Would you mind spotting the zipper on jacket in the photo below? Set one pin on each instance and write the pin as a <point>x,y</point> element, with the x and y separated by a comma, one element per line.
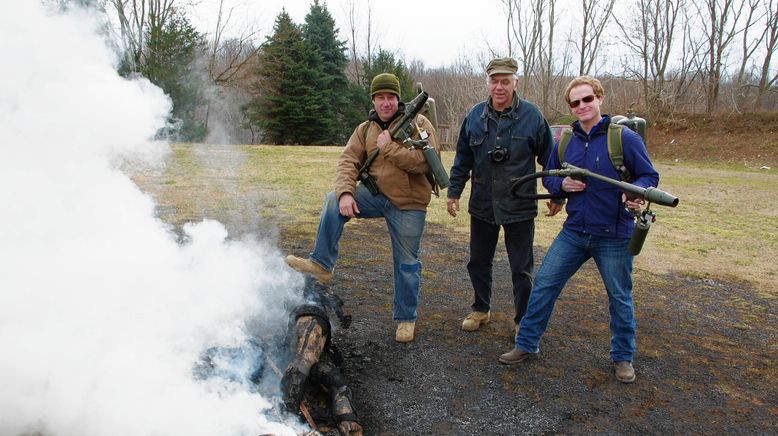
<point>586,198</point>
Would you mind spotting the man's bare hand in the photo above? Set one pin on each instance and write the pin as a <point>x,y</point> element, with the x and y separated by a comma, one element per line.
<point>553,208</point>
<point>384,138</point>
<point>570,184</point>
<point>348,206</point>
<point>452,204</point>
<point>634,204</point>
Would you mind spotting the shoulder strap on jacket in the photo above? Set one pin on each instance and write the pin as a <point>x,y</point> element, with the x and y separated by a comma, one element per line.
<point>616,151</point>
<point>364,132</point>
<point>567,134</point>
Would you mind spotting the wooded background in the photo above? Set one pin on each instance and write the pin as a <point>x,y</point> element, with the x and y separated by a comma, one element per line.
<point>308,83</point>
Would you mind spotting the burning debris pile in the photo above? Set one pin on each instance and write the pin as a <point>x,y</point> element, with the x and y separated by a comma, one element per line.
<point>312,385</point>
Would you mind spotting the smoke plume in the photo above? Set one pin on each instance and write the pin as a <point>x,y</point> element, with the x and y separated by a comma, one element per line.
<point>103,314</point>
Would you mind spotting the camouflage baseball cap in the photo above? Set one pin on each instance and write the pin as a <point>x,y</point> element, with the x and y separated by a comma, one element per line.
<point>502,66</point>
<point>385,82</point>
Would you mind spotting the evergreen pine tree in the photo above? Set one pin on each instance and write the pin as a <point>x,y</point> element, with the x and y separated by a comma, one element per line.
<point>329,65</point>
<point>170,63</point>
<point>357,106</point>
<point>284,106</point>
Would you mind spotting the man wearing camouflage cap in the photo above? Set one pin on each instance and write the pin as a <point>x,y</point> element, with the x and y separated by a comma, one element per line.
<point>400,174</point>
<point>497,143</point>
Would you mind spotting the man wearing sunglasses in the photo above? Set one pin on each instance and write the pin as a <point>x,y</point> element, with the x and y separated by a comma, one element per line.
<point>598,225</point>
<point>499,141</point>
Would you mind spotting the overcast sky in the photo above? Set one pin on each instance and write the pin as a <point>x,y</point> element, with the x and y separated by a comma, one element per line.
<point>435,31</point>
<point>438,32</point>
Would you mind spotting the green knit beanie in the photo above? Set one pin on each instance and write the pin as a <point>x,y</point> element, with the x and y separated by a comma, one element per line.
<point>385,82</point>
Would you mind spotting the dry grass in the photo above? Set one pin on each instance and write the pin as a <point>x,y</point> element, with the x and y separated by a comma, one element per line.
<point>723,229</point>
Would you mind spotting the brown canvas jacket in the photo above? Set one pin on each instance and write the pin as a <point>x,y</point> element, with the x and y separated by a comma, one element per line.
<point>399,172</point>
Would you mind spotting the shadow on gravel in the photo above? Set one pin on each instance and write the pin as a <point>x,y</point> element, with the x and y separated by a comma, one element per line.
<point>706,360</point>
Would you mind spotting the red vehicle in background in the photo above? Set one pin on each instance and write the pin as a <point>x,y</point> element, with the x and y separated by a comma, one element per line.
<point>556,131</point>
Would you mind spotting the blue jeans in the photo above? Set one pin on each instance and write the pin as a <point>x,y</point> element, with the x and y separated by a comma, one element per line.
<point>567,253</point>
<point>405,229</point>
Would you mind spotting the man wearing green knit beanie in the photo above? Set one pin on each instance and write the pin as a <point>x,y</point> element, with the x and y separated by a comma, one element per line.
<point>385,82</point>
<point>404,193</point>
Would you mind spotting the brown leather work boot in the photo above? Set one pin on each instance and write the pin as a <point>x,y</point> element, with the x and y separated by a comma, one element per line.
<point>405,332</point>
<point>625,373</point>
<point>307,266</point>
<point>475,320</point>
<point>517,355</point>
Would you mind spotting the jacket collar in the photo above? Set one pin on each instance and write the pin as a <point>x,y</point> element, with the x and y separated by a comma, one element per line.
<point>512,112</point>
<point>373,116</point>
<point>489,111</point>
<point>601,127</point>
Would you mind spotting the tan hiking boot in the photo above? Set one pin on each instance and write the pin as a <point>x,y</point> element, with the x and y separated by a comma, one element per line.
<point>625,373</point>
<point>475,320</point>
<point>307,266</point>
<point>515,356</point>
<point>405,331</point>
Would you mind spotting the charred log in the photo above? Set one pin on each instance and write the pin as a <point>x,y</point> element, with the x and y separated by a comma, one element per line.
<point>311,383</point>
<point>314,371</point>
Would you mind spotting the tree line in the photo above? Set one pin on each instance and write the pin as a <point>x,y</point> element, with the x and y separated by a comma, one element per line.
<point>307,84</point>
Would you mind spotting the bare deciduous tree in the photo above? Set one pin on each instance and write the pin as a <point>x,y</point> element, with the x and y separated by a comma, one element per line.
<point>741,86</point>
<point>722,27</point>
<point>766,81</point>
<point>509,26</point>
<point>547,19</point>
<point>649,34</point>
<point>455,89</point>
<point>137,19</point>
<point>749,46</point>
<point>228,59</point>
<point>596,14</point>
<point>356,59</point>
<point>525,28</point>
<point>351,22</point>
<point>690,72</point>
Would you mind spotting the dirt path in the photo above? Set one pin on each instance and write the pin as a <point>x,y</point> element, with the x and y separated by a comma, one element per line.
<point>701,368</point>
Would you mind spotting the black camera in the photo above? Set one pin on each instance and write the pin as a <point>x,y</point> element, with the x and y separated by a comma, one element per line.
<point>499,154</point>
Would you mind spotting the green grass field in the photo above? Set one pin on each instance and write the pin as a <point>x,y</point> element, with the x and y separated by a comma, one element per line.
<point>723,229</point>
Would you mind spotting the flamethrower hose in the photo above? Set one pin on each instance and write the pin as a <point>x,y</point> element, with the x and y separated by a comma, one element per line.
<point>524,179</point>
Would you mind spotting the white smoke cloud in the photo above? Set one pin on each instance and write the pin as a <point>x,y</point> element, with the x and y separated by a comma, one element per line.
<point>102,313</point>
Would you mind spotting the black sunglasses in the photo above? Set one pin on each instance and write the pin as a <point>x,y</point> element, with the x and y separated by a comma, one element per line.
<point>575,103</point>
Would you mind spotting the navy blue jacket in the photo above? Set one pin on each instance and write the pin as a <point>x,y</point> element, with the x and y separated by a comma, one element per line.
<point>598,209</point>
<point>523,133</point>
